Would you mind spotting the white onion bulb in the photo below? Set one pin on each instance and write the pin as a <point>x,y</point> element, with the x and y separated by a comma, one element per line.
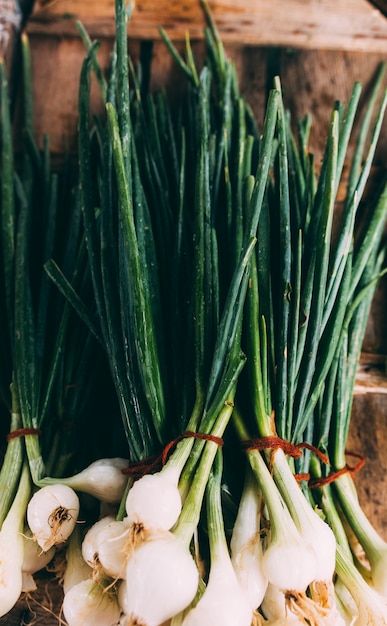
<point>273,604</point>
<point>223,601</point>
<point>312,528</point>
<point>90,540</point>
<point>52,514</point>
<point>278,610</point>
<point>12,545</point>
<point>246,548</point>
<point>34,558</point>
<point>88,604</point>
<point>113,549</point>
<point>154,501</point>
<point>11,560</point>
<point>103,479</point>
<point>161,581</point>
<point>290,564</point>
<point>28,583</point>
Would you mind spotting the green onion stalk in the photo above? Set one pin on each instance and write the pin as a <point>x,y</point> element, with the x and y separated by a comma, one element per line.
<point>355,532</point>
<point>50,362</point>
<point>311,286</point>
<point>212,289</point>
<point>155,310</point>
<point>203,321</point>
<point>150,305</point>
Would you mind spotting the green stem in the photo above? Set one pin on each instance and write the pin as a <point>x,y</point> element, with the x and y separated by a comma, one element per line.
<point>280,518</point>
<point>190,514</point>
<point>215,522</point>
<point>144,327</point>
<point>372,543</point>
<point>12,462</point>
<point>16,514</point>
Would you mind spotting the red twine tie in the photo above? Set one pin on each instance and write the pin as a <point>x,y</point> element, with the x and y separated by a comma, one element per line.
<point>22,432</point>
<point>137,469</point>
<point>326,480</point>
<point>277,443</point>
<point>294,450</point>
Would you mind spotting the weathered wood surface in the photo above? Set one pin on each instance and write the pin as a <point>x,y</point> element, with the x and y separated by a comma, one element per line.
<point>314,69</point>
<point>335,24</point>
<point>311,81</point>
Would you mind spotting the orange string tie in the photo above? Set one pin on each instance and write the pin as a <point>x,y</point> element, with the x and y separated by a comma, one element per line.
<point>290,449</point>
<point>22,432</point>
<point>326,480</point>
<point>300,477</point>
<point>271,443</point>
<point>137,469</point>
<point>275,443</point>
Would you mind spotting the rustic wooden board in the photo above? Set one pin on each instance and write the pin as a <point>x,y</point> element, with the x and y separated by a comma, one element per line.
<point>56,65</point>
<point>311,81</point>
<point>369,438</point>
<point>335,24</point>
<point>313,74</point>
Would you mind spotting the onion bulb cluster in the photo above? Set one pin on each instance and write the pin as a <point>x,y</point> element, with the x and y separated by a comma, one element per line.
<point>137,567</point>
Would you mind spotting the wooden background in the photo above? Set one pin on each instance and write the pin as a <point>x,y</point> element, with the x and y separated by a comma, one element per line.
<point>318,48</point>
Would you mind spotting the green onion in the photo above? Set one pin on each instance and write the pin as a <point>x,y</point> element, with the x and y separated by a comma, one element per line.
<point>181,363</point>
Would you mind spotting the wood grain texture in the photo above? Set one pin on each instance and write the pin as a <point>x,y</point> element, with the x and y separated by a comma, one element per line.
<point>333,24</point>
<point>368,437</point>
<point>311,80</point>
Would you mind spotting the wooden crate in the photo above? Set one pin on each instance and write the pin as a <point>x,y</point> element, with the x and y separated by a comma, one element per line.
<point>317,47</point>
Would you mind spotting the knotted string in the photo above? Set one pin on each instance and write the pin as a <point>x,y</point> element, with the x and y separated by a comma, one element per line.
<point>22,432</point>
<point>277,443</point>
<point>295,451</point>
<point>154,463</point>
<point>326,480</point>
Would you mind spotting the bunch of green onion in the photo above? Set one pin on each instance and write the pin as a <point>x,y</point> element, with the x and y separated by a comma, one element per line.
<point>208,281</point>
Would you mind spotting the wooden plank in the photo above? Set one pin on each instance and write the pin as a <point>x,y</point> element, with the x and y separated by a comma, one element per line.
<point>332,24</point>
<point>56,66</point>
<point>371,376</point>
<point>368,437</point>
<point>311,81</point>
